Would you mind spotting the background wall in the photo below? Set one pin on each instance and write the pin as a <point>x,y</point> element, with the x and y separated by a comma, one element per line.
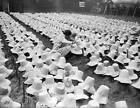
<point>91,6</point>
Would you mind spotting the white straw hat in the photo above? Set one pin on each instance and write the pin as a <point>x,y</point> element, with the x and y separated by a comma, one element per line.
<point>58,91</point>
<point>36,87</point>
<point>53,68</point>
<point>110,71</point>
<point>89,85</point>
<point>61,62</point>
<point>68,67</point>
<point>7,102</point>
<point>106,63</point>
<point>4,82</point>
<point>91,104</point>
<point>101,95</point>
<point>69,87</point>
<point>100,69</point>
<point>60,74</point>
<point>77,76</point>
<point>49,82</point>
<point>23,65</point>
<point>133,65</point>
<point>93,61</point>
<point>111,54</point>
<point>68,101</point>
<point>76,50</point>
<point>79,92</point>
<point>4,71</point>
<point>121,58</point>
<point>2,60</point>
<point>121,104</point>
<point>124,77</point>
<point>44,70</point>
<point>45,100</point>
<point>132,75</point>
<point>116,68</point>
<point>21,58</point>
<point>136,84</point>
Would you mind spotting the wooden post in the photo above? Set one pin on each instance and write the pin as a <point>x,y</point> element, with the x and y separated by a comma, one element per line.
<point>135,10</point>
<point>105,9</point>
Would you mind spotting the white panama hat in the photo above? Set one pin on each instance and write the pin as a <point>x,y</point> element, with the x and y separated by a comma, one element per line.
<point>61,62</point>
<point>88,85</point>
<point>7,102</point>
<point>91,104</point>
<point>121,104</point>
<point>111,54</point>
<point>133,64</point>
<point>68,101</point>
<point>69,87</point>
<point>36,87</point>
<point>101,95</point>
<point>21,58</point>
<point>106,63</point>
<point>4,82</point>
<point>23,65</point>
<point>46,101</point>
<point>79,92</point>
<point>4,71</point>
<point>49,81</point>
<point>76,50</point>
<point>44,70</point>
<point>60,74</point>
<point>58,91</point>
<point>100,69</point>
<point>132,75</point>
<point>110,71</point>
<point>124,77</point>
<point>77,76</point>
<point>53,68</point>
<point>93,61</point>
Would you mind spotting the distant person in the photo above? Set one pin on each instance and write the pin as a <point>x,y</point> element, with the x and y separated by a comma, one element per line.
<point>65,46</point>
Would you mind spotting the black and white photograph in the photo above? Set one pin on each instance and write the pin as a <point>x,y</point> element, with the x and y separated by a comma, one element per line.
<point>69,53</point>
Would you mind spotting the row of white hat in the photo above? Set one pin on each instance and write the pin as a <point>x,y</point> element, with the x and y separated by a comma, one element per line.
<point>88,21</point>
<point>132,63</point>
<point>32,88</point>
<point>99,39</point>
<point>5,100</point>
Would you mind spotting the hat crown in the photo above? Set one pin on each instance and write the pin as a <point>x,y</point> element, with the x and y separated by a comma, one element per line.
<point>124,74</point>
<point>106,63</point>
<point>116,67</point>
<point>67,82</point>
<point>62,60</point>
<point>79,74</point>
<point>89,81</point>
<point>100,67</point>
<point>49,79</point>
<point>37,84</point>
<point>68,67</point>
<point>60,88</point>
<point>103,91</point>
